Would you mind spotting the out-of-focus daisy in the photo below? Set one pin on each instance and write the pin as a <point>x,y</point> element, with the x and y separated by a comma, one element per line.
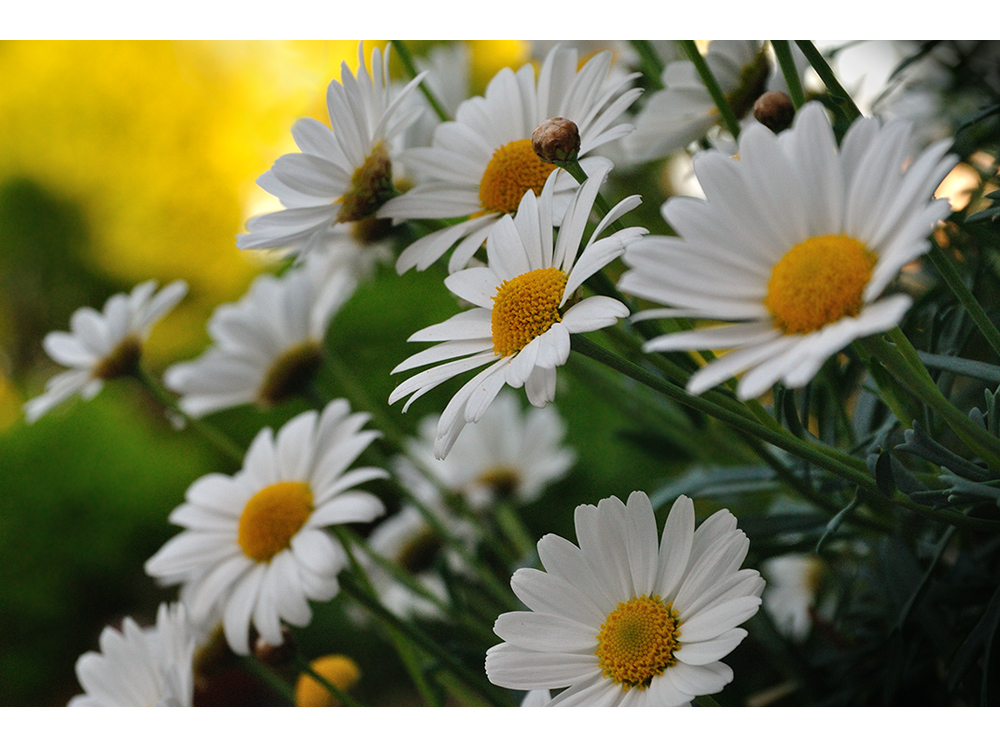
<point>794,245</point>
<point>103,344</point>
<point>141,666</point>
<point>623,619</point>
<point>523,316</point>
<point>337,669</point>
<point>341,175</point>
<point>507,455</point>
<point>254,545</point>
<point>482,164</point>
<point>266,346</point>
<point>683,110</point>
<point>793,581</point>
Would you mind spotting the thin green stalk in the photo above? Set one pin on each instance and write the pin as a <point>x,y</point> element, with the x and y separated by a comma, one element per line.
<point>919,382</point>
<point>728,412</point>
<point>213,435</point>
<point>443,657</point>
<point>721,102</point>
<point>411,69</point>
<point>409,657</point>
<point>650,62</point>
<point>951,276</point>
<point>270,678</point>
<point>783,51</point>
<point>341,695</point>
<point>826,74</point>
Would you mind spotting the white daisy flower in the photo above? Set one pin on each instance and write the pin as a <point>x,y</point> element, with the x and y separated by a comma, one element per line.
<point>254,545</point>
<point>626,620</point>
<point>102,344</point>
<point>683,110</point>
<point>793,581</point>
<point>506,455</point>
<point>266,346</point>
<point>794,246</point>
<point>525,308</point>
<point>482,164</point>
<point>141,666</point>
<point>341,175</point>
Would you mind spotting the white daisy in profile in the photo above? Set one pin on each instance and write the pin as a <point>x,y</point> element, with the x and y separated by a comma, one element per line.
<point>624,619</point>
<point>507,455</point>
<point>141,666</point>
<point>793,247</point>
<point>254,546</point>
<point>267,346</point>
<point>683,110</point>
<point>103,345</point>
<point>482,164</point>
<point>525,308</point>
<point>341,175</point>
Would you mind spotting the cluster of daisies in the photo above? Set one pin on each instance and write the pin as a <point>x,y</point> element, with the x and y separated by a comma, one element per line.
<point>788,257</point>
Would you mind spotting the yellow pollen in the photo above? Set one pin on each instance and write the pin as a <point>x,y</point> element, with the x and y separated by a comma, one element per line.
<point>272,517</point>
<point>818,282</point>
<point>371,186</point>
<point>513,170</point>
<point>524,307</point>
<point>637,641</point>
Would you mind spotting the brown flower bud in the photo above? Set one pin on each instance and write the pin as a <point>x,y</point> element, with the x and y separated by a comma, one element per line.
<point>556,139</point>
<point>774,110</point>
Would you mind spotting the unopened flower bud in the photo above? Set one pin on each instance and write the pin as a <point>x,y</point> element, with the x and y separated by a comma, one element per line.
<point>774,110</point>
<point>556,139</point>
<point>337,669</point>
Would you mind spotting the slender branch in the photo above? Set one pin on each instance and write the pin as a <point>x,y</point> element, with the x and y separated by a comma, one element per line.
<point>411,69</point>
<point>826,74</point>
<point>954,280</point>
<point>783,51</point>
<point>712,85</point>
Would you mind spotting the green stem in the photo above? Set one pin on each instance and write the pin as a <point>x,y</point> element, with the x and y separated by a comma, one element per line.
<point>650,62</point>
<point>951,276</point>
<point>444,657</point>
<point>826,74</point>
<point>217,438</point>
<point>724,409</point>
<point>783,51</point>
<point>270,678</point>
<point>897,360</point>
<point>409,657</point>
<point>411,69</point>
<point>712,85</point>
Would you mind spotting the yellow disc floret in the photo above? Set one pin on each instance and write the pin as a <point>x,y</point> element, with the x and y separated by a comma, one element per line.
<point>637,641</point>
<point>524,307</point>
<point>513,170</point>
<point>272,517</point>
<point>290,373</point>
<point>818,282</point>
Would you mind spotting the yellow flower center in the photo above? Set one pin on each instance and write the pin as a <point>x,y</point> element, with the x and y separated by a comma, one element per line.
<point>122,361</point>
<point>637,641</point>
<point>503,480</point>
<point>513,170</point>
<point>525,307</point>
<point>290,373</point>
<point>272,517</point>
<point>419,553</point>
<point>818,282</point>
<point>371,186</point>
